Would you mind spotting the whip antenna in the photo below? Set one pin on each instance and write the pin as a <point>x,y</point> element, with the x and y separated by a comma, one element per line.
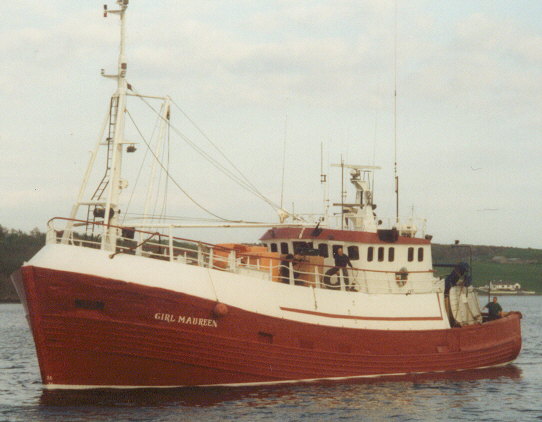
<point>396,176</point>
<point>283,159</point>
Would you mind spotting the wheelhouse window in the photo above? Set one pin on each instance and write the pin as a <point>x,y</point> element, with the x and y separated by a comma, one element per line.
<point>353,253</point>
<point>420,254</point>
<point>410,254</point>
<point>284,248</point>
<point>391,254</point>
<point>299,247</point>
<point>274,247</point>
<point>380,253</point>
<point>370,253</point>
<point>323,250</point>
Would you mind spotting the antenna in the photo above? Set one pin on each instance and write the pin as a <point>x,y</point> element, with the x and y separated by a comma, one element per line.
<point>372,176</point>
<point>283,158</point>
<point>342,193</point>
<point>396,176</point>
<point>323,176</point>
<point>323,181</point>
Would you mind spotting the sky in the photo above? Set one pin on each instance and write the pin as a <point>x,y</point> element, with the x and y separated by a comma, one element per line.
<point>258,75</point>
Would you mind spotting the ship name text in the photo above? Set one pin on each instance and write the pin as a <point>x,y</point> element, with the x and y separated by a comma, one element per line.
<point>183,319</point>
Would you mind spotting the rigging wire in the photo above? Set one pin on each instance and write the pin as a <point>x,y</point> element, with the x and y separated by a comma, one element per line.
<point>172,218</point>
<point>165,154</point>
<point>240,180</point>
<point>171,177</point>
<point>247,180</point>
<point>159,184</point>
<point>140,171</point>
<point>137,216</point>
<point>283,160</point>
<point>166,187</point>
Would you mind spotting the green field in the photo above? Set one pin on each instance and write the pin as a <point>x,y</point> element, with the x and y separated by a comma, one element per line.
<point>528,275</point>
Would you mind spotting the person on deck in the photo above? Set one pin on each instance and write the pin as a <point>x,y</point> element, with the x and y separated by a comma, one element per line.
<point>341,261</point>
<point>284,273</point>
<point>285,269</point>
<point>297,263</point>
<point>494,310</point>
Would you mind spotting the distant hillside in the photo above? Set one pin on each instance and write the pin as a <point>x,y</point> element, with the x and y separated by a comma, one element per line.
<point>442,253</point>
<point>495,263</point>
<point>489,262</point>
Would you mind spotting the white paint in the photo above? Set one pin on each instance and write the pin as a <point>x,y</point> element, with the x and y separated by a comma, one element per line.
<point>250,293</point>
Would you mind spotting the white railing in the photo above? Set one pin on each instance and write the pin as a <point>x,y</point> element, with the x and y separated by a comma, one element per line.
<point>244,261</point>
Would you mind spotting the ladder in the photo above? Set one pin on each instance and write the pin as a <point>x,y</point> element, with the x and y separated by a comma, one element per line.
<point>98,193</point>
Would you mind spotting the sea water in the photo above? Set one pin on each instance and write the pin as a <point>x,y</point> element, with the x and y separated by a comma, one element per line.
<point>510,393</point>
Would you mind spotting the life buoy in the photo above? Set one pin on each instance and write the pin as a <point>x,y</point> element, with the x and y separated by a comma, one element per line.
<point>401,277</point>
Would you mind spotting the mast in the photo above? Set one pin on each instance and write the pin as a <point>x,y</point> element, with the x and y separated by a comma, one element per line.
<point>116,184</point>
<point>113,125</point>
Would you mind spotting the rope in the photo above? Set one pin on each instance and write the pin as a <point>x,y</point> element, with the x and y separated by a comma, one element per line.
<point>249,183</point>
<point>139,172</point>
<point>171,177</point>
<point>241,180</point>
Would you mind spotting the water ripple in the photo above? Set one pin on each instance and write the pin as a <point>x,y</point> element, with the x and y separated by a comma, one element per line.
<point>511,393</point>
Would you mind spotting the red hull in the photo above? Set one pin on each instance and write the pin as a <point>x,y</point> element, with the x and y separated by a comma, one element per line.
<point>91,331</point>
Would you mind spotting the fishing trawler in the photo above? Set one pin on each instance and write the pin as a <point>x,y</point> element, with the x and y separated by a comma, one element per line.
<point>117,305</point>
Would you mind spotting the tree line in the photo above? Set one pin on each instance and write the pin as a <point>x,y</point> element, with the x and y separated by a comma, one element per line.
<point>16,247</point>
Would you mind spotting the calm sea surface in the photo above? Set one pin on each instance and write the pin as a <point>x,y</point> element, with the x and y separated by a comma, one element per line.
<point>512,393</point>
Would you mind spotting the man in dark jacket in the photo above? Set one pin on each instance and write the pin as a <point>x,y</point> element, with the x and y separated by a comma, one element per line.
<point>494,310</point>
<point>341,261</point>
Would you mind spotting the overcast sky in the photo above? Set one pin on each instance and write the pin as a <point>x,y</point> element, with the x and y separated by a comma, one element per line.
<point>250,73</point>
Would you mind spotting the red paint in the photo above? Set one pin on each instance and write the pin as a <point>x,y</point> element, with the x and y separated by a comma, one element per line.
<point>366,318</point>
<point>326,235</point>
<point>122,343</point>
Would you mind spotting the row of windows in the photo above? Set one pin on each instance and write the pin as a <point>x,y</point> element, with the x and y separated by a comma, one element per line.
<point>411,254</point>
<point>352,251</point>
<point>391,254</point>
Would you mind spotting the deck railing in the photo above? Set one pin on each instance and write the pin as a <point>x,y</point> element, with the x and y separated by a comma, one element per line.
<point>262,264</point>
